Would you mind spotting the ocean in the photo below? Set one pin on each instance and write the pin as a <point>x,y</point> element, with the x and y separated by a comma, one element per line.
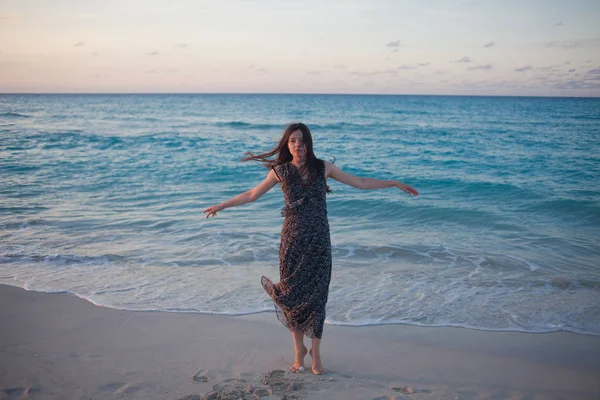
<point>102,196</point>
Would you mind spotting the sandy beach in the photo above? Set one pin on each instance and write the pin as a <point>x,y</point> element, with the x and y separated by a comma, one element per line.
<point>57,346</point>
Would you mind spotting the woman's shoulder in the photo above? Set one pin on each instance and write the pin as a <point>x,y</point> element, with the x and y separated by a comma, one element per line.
<point>328,167</point>
<point>327,164</point>
<point>280,168</point>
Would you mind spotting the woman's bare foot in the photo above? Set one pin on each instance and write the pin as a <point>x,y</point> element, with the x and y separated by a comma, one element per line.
<point>317,367</point>
<point>299,362</point>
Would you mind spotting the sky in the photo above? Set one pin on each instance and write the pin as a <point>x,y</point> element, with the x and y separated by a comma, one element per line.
<point>446,47</point>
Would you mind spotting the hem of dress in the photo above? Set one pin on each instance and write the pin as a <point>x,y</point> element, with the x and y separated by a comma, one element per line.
<point>278,311</point>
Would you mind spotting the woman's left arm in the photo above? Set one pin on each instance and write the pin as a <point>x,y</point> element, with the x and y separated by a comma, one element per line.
<point>332,171</point>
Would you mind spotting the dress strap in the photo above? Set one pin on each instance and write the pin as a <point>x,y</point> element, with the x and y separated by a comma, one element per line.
<point>275,170</point>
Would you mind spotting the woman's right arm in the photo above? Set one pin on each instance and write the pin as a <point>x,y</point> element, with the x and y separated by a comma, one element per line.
<point>246,197</point>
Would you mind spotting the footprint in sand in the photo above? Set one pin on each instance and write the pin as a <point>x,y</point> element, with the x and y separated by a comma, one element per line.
<point>15,392</point>
<point>345,376</point>
<point>113,386</point>
<point>232,388</point>
<point>119,388</point>
<point>281,384</point>
<point>200,376</point>
<point>403,390</point>
<point>127,389</point>
<point>276,382</point>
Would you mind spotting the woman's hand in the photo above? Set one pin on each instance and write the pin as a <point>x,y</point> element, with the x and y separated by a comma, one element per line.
<point>408,189</point>
<point>213,210</point>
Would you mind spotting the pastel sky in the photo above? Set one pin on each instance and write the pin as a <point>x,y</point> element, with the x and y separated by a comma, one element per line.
<point>485,47</point>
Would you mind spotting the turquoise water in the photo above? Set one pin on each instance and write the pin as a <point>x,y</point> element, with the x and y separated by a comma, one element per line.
<point>102,196</point>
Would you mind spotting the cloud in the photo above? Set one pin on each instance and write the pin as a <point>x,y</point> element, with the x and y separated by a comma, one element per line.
<point>484,66</point>
<point>523,69</point>
<point>181,45</point>
<point>340,66</point>
<point>485,84</point>
<point>559,24</point>
<point>339,82</point>
<point>548,68</point>
<point>79,44</point>
<point>391,72</point>
<point>313,73</point>
<point>489,44</point>
<point>6,17</point>
<point>153,53</point>
<point>150,71</point>
<point>394,51</point>
<point>440,72</point>
<point>424,64</point>
<point>256,69</point>
<point>465,59</point>
<point>95,53</point>
<point>9,17</point>
<point>577,84</point>
<point>393,44</point>
<point>359,73</point>
<point>572,70</point>
<point>406,66</point>
<point>575,44</point>
<point>593,74</point>
<point>567,63</point>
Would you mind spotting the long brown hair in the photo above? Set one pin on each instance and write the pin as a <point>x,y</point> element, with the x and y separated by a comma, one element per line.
<point>282,154</point>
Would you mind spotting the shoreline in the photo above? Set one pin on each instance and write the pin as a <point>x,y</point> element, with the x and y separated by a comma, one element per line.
<point>327,323</point>
<point>60,346</point>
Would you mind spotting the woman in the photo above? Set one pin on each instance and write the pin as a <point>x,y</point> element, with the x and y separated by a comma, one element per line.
<point>300,296</point>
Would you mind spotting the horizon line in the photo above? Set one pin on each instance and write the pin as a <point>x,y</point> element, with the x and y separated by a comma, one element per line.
<point>298,94</point>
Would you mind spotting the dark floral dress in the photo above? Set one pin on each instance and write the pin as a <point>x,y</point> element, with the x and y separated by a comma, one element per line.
<point>300,296</point>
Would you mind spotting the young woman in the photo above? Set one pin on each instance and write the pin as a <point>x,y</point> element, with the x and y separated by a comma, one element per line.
<point>300,296</point>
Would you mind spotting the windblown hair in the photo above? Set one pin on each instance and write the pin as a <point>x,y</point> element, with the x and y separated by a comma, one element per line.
<point>280,154</point>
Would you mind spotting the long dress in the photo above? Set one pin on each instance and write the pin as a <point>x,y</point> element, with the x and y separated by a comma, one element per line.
<point>300,296</point>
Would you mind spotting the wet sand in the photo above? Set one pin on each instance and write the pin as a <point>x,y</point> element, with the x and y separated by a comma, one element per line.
<point>57,346</point>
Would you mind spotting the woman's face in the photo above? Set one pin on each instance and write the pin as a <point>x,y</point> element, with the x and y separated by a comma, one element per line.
<point>296,146</point>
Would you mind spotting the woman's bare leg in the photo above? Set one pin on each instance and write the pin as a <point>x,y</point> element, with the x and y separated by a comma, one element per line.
<point>300,349</point>
<point>315,353</point>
